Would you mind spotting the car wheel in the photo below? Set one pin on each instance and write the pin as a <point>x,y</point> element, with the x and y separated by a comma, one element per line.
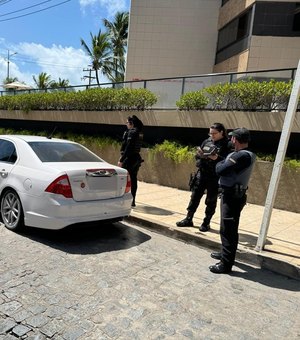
<point>12,211</point>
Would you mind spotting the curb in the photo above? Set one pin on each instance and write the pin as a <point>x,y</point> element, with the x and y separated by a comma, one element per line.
<point>262,260</point>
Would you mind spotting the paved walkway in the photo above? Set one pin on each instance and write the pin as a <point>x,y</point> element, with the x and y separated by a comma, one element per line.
<point>159,207</point>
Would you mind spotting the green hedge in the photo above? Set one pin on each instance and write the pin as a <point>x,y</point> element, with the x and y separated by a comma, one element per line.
<point>246,95</point>
<point>104,99</point>
<point>170,149</point>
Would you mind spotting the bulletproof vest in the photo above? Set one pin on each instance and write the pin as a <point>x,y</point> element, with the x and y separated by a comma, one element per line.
<point>137,138</point>
<point>241,178</point>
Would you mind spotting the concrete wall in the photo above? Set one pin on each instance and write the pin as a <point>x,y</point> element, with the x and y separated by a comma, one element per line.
<point>163,171</point>
<point>171,38</point>
<point>257,121</point>
<point>273,52</point>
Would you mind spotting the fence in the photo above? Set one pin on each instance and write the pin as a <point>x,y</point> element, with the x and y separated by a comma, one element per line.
<point>169,90</point>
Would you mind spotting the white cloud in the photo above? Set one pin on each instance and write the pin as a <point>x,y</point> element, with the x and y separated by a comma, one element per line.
<point>111,6</point>
<point>57,61</point>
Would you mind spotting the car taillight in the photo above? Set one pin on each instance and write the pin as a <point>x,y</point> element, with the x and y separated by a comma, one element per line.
<point>61,186</point>
<point>128,184</point>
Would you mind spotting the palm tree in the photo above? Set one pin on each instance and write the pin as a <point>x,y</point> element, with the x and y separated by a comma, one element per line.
<point>60,83</point>
<point>43,81</point>
<point>100,53</point>
<point>10,80</point>
<point>118,34</point>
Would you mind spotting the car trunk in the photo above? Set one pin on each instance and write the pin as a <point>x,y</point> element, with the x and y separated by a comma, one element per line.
<point>89,181</point>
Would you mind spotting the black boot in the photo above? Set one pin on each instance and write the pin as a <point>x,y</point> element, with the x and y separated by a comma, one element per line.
<point>186,222</point>
<point>205,225</point>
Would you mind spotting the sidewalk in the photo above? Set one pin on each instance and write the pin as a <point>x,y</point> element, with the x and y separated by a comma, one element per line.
<point>159,208</point>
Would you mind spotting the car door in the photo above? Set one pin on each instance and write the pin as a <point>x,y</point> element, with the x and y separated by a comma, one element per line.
<point>8,157</point>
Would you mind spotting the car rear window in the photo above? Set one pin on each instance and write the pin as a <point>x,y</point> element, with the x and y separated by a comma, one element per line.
<point>62,152</point>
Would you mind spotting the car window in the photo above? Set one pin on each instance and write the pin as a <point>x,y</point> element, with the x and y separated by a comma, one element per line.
<point>7,151</point>
<point>62,152</point>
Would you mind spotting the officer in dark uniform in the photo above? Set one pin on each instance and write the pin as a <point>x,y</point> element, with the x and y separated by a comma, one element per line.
<point>211,151</point>
<point>130,151</point>
<point>234,174</point>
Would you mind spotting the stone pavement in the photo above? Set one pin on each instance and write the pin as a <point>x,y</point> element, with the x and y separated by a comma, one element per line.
<point>159,207</point>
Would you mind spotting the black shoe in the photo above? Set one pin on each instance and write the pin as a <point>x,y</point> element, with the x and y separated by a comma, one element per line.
<point>216,255</point>
<point>185,223</point>
<point>204,227</point>
<point>133,203</point>
<point>220,268</point>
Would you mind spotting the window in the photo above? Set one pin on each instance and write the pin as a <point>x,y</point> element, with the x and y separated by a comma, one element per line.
<point>234,31</point>
<point>277,19</point>
<point>296,20</point>
<point>62,152</point>
<point>7,151</point>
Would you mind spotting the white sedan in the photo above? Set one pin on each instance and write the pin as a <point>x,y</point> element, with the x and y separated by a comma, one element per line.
<point>52,183</point>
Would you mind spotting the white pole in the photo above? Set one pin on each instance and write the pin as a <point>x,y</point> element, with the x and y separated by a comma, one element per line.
<point>281,151</point>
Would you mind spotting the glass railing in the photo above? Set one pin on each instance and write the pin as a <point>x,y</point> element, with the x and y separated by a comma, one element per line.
<point>169,90</point>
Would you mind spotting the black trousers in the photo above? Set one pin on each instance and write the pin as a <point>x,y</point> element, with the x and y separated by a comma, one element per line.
<point>132,165</point>
<point>231,208</point>
<point>212,188</point>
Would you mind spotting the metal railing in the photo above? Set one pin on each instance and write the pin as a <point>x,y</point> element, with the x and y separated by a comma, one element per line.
<point>169,90</point>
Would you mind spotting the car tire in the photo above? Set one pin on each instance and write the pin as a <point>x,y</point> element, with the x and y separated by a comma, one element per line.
<point>11,211</point>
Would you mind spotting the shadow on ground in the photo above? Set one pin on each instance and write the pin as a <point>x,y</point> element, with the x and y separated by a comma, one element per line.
<point>89,238</point>
<point>148,209</point>
<point>262,276</point>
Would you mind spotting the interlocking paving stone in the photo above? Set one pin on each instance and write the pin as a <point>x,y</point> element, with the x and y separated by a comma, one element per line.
<point>20,330</point>
<point>6,325</point>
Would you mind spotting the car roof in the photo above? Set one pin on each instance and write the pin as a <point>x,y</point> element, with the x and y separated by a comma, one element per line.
<point>28,138</point>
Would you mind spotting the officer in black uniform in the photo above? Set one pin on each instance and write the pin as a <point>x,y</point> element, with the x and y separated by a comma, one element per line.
<point>130,151</point>
<point>211,151</point>
<point>234,174</point>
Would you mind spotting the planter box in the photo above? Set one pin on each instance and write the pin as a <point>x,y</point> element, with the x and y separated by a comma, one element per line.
<point>163,171</point>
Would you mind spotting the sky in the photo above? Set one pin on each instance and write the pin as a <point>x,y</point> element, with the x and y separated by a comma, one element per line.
<point>44,36</point>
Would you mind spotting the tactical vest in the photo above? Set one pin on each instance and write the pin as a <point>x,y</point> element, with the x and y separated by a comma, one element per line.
<point>241,178</point>
<point>137,139</point>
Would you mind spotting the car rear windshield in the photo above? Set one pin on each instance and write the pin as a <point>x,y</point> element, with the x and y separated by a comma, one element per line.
<point>62,152</point>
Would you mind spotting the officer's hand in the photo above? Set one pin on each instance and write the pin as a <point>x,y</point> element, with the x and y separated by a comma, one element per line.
<point>213,157</point>
<point>199,151</point>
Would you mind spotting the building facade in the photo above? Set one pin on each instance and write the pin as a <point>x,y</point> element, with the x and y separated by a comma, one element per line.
<point>169,38</point>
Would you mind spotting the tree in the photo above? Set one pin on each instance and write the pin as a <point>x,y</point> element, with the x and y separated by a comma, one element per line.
<point>10,80</point>
<point>118,34</point>
<point>43,81</point>
<point>100,53</point>
<point>60,83</point>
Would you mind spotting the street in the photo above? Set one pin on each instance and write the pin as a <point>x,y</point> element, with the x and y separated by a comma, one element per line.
<point>120,281</point>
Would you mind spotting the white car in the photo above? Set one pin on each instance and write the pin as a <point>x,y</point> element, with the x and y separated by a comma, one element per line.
<point>52,183</point>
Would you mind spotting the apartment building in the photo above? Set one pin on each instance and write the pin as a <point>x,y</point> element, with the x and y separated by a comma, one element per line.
<point>169,38</point>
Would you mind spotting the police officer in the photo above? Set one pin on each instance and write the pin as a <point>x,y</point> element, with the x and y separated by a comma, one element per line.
<point>211,151</point>
<point>130,151</point>
<point>234,174</point>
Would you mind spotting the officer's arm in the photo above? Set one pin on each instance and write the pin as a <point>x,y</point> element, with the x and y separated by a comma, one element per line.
<point>235,162</point>
<point>226,166</point>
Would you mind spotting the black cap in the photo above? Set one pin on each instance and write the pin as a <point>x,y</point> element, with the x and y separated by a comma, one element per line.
<point>241,134</point>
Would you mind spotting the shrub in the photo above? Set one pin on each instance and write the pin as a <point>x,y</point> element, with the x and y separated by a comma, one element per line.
<point>247,95</point>
<point>101,99</point>
<point>221,96</point>
<point>137,99</point>
<point>170,149</point>
<point>174,151</point>
<point>192,101</point>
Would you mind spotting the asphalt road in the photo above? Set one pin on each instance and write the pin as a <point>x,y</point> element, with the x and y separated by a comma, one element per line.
<point>124,282</point>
